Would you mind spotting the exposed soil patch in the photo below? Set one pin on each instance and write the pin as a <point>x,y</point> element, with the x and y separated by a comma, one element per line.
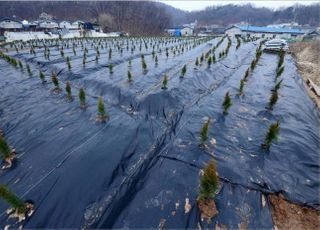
<point>308,59</point>
<point>208,209</point>
<point>291,216</point>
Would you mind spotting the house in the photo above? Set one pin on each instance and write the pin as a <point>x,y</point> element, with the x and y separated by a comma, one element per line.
<point>76,25</point>
<point>313,35</point>
<point>186,31</point>
<point>264,32</point>
<point>45,16</point>
<point>9,24</point>
<point>48,24</point>
<point>65,25</point>
<point>180,31</point>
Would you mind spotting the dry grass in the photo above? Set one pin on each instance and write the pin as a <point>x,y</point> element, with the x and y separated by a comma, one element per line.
<point>307,55</point>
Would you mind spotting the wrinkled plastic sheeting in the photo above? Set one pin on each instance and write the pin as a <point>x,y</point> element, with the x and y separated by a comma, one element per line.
<point>134,169</point>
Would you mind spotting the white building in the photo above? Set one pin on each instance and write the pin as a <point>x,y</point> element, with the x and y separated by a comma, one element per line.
<point>10,24</point>
<point>77,25</point>
<point>186,31</point>
<point>48,24</point>
<point>264,32</point>
<point>65,25</point>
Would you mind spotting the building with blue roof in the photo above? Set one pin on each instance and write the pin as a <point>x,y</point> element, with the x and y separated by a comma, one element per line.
<point>264,32</point>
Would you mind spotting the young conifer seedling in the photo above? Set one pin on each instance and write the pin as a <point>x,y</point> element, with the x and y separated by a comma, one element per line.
<point>6,154</point>
<point>209,183</point>
<point>68,63</point>
<point>227,103</point>
<point>277,86</point>
<point>129,76</point>
<point>209,61</point>
<point>82,98</point>
<point>110,68</point>
<point>280,71</point>
<point>19,208</point>
<point>68,90</point>
<point>204,133</point>
<point>102,116</point>
<point>273,99</point>
<point>29,70</point>
<point>183,71</point>
<point>144,65</point>
<point>42,77</point>
<point>272,135</point>
<point>241,87</point>
<point>55,81</point>
<point>165,82</point>
<point>197,62</point>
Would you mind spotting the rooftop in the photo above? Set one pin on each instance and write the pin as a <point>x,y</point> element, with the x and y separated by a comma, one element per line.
<point>264,29</point>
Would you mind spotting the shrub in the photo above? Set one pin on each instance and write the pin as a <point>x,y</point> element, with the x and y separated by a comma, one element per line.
<point>165,82</point>
<point>209,182</point>
<point>42,76</point>
<point>227,103</point>
<point>68,90</point>
<point>82,98</point>
<point>183,70</point>
<point>273,99</point>
<point>55,80</point>
<point>271,135</point>
<point>204,133</point>
<point>102,116</point>
<point>129,76</point>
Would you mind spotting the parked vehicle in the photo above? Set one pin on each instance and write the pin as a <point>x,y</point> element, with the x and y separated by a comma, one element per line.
<point>275,45</point>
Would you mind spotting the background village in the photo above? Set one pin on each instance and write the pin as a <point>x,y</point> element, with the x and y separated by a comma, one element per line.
<point>46,27</point>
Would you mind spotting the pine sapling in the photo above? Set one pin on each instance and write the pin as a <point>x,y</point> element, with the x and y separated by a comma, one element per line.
<point>6,154</point>
<point>19,208</point>
<point>129,76</point>
<point>273,99</point>
<point>82,98</point>
<point>42,77</point>
<point>209,182</point>
<point>29,70</point>
<point>102,116</point>
<point>280,71</point>
<point>183,70</point>
<point>110,68</point>
<point>204,133</point>
<point>68,90</point>
<point>227,103</point>
<point>165,82</point>
<point>278,85</point>
<point>55,81</point>
<point>209,61</point>
<point>68,63</point>
<point>272,135</point>
<point>197,62</point>
<point>241,87</point>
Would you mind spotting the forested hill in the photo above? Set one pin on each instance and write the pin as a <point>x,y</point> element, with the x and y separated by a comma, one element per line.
<point>149,18</point>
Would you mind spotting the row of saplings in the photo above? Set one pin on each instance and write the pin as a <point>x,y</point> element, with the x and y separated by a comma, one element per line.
<point>209,181</point>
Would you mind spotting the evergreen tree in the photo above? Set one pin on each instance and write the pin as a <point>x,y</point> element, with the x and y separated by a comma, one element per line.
<point>227,103</point>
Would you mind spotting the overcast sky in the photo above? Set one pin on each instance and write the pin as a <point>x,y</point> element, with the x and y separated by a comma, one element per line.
<point>199,5</point>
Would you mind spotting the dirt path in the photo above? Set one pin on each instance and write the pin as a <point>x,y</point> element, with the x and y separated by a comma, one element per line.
<point>308,60</point>
<point>291,216</point>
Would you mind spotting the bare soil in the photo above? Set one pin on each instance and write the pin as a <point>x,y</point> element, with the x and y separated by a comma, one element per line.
<point>307,55</point>
<point>287,216</point>
<point>208,209</point>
